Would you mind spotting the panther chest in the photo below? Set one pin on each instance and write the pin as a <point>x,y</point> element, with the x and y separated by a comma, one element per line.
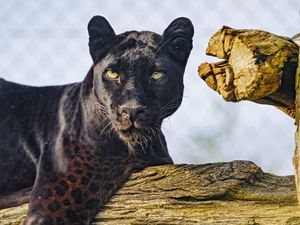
<point>87,183</point>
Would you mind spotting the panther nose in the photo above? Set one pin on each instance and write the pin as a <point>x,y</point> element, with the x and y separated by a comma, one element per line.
<point>132,113</point>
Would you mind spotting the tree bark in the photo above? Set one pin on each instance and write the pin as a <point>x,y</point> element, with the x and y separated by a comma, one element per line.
<point>296,157</point>
<point>258,66</point>
<point>230,193</point>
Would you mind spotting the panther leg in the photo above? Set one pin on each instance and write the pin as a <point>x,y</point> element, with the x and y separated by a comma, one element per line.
<point>76,195</point>
<point>15,198</point>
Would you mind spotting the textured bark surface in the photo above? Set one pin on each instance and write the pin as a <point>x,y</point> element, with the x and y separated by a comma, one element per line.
<point>231,193</point>
<point>296,158</point>
<point>258,66</point>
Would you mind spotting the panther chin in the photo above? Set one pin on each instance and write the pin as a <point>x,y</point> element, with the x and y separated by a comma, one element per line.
<point>135,136</point>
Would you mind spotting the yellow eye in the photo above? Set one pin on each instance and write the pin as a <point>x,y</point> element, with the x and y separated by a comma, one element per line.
<point>157,75</point>
<point>112,75</point>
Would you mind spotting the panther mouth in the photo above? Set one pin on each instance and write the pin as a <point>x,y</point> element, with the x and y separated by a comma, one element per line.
<point>130,134</point>
<point>134,135</point>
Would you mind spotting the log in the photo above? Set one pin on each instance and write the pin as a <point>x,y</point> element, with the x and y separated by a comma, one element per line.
<point>231,193</point>
<point>258,66</point>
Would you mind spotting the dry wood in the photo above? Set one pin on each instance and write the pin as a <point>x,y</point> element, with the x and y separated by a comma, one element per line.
<point>258,66</point>
<point>231,193</point>
<point>296,158</point>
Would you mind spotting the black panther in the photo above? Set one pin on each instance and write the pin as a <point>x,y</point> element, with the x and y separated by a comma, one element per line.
<point>76,144</point>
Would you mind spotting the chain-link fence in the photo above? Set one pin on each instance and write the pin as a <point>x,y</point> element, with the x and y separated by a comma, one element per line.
<point>45,42</point>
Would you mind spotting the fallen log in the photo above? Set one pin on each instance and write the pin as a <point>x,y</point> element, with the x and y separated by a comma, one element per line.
<point>230,193</point>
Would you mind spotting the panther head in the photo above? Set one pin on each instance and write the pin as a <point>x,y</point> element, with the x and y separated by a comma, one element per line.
<point>138,76</point>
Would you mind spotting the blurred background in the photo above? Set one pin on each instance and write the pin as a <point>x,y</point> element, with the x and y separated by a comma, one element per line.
<point>46,43</point>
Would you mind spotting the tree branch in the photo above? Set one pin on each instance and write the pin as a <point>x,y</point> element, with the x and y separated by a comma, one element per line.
<point>258,66</point>
<point>232,193</point>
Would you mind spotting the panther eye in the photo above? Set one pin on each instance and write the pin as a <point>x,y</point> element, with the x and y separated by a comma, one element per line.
<point>112,74</point>
<point>157,75</point>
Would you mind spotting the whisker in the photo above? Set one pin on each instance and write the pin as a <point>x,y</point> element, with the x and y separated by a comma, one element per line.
<point>111,131</point>
<point>170,107</point>
<point>168,111</point>
<point>102,122</point>
<point>172,100</point>
<point>145,141</point>
<point>107,125</point>
<point>153,131</point>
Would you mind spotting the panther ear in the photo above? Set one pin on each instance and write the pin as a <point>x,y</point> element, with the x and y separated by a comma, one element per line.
<point>178,37</point>
<point>101,36</point>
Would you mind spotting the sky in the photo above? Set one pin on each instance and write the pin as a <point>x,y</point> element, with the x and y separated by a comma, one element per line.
<point>46,43</point>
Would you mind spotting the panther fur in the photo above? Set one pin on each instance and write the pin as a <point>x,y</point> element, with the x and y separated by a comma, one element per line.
<point>78,143</point>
